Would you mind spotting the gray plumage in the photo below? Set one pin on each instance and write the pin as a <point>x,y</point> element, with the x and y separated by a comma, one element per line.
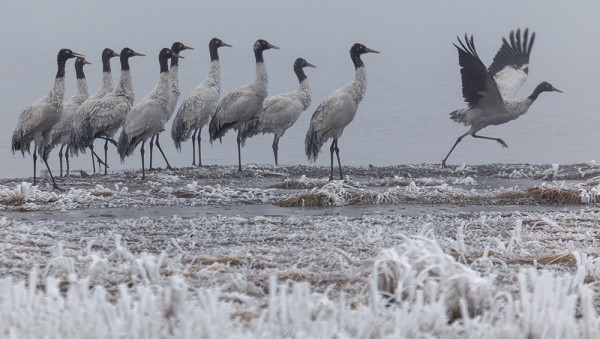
<point>337,111</point>
<point>244,103</point>
<point>37,120</point>
<point>146,117</point>
<point>196,110</point>
<point>107,114</point>
<point>61,132</point>
<point>281,111</point>
<point>490,93</point>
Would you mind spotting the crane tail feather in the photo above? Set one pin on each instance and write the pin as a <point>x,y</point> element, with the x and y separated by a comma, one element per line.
<point>313,143</point>
<point>460,116</point>
<point>179,132</point>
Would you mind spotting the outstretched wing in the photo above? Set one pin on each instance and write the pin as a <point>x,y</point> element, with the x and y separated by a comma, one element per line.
<point>478,86</point>
<point>511,64</point>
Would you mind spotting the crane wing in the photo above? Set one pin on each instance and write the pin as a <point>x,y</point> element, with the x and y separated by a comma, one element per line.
<point>511,64</point>
<point>478,86</point>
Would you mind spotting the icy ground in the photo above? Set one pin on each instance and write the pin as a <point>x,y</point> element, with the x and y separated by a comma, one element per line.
<point>498,251</point>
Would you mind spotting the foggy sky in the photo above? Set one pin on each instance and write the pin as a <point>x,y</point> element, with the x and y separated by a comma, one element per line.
<point>416,74</point>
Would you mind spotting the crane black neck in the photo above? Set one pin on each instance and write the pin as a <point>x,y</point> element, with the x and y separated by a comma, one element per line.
<point>164,63</point>
<point>300,73</point>
<point>258,54</point>
<point>106,65</point>
<point>175,61</point>
<point>124,62</point>
<point>79,70</point>
<point>535,93</point>
<point>356,60</point>
<point>61,67</point>
<point>214,54</point>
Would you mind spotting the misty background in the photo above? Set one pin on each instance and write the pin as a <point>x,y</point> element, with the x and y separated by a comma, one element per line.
<point>412,85</point>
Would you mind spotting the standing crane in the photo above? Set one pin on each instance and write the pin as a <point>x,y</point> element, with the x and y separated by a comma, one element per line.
<point>244,103</point>
<point>107,114</point>
<point>146,117</point>
<point>37,120</point>
<point>337,111</point>
<point>61,132</point>
<point>281,111</point>
<point>174,92</point>
<point>81,111</point>
<point>490,93</point>
<point>195,111</point>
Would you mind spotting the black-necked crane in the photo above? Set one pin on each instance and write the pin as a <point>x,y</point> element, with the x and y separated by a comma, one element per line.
<point>146,117</point>
<point>86,106</point>
<point>281,111</point>
<point>61,132</point>
<point>107,114</point>
<point>244,103</point>
<point>174,92</point>
<point>37,120</point>
<point>337,111</point>
<point>195,111</point>
<point>490,93</point>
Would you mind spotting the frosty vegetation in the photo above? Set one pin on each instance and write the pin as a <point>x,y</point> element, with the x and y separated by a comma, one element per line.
<point>515,273</point>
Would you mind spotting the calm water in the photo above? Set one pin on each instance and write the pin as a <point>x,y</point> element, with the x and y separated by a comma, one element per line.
<point>413,84</point>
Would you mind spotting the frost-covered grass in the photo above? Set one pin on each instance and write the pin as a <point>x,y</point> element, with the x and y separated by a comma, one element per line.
<point>342,272</point>
<point>450,276</point>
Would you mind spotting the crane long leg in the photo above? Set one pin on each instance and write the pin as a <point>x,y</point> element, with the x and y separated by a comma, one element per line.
<point>331,148</point>
<point>337,153</point>
<point>34,161</point>
<point>163,153</point>
<point>275,148</point>
<point>143,165</point>
<point>239,141</point>
<point>199,149</point>
<point>194,148</point>
<point>452,149</point>
<point>60,156</point>
<point>67,159</point>
<point>151,148</point>
<point>54,185</point>
<point>105,157</point>
<point>93,159</point>
<point>495,139</point>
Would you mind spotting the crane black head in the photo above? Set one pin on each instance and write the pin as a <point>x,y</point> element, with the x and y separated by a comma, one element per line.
<point>543,87</point>
<point>66,54</point>
<point>107,54</point>
<point>125,54</point>
<point>356,51</point>
<point>178,47</point>
<point>79,63</point>
<point>164,56</point>
<point>61,59</point>
<point>299,64</point>
<point>262,45</point>
<point>213,45</point>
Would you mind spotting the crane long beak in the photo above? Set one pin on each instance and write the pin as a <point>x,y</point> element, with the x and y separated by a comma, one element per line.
<point>138,54</point>
<point>85,62</point>
<point>273,46</point>
<point>371,50</point>
<point>310,65</point>
<point>556,90</point>
<point>225,44</point>
<point>187,47</point>
<point>78,55</point>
